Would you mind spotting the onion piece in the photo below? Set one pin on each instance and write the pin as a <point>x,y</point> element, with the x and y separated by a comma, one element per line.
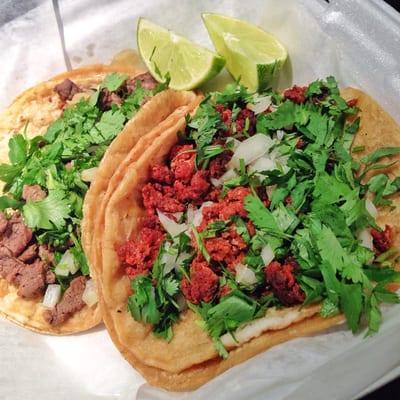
<point>280,133</point>
<point>172,227</point>
<point>228,175</point>
<point>365,238</point>
<point>370,207</point>
<point>52,296</point>
<point>89,295</point>
<point>245,275</point>
<point>261,104</point>
<point>88,175</point>
<point>169,261</point>
<point>234,141</point>
<point>262,164</point>
<point>250,149</point>
<point>67,265</point>
<point>267,254</point>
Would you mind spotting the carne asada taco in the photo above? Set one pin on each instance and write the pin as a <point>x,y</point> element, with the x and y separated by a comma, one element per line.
<point>261,218</point>
<point>53,138</point>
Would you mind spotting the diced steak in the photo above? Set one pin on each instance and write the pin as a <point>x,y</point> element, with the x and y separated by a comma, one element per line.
<point>33,193</point>
<point>29,254</point>
<point>107,99</point>
<point>16,236</point>
<point>3,222</point>
<point>9,265</point>
<point>146,81</point>
<point>66,89</point>
<point>32,280</point>
<point>50,277</point>
<point>71,303</point>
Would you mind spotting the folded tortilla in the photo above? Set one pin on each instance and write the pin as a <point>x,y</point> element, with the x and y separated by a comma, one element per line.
<point>36,109</point>
<point>190,359</point>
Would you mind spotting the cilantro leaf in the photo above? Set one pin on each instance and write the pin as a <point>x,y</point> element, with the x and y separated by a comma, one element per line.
<point>110,124</point>
<point>142,303</point>
<point>47,213</point>
<point>351,303</point>
<point>113,81</point>
<point>261,216</point>
<point>380,153</point>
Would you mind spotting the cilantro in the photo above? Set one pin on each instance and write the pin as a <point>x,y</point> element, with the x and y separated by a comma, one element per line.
<point>232,311</point>
<point>47,213</point>
<point>380,153</point>
<point>204,125</point>
<point>110,124</point>
<point>142,304</point>
<point>113,81</point>
<point>9,202</point>
<point>261,216</point>
<point>200,245</point>
<point>328,309</point>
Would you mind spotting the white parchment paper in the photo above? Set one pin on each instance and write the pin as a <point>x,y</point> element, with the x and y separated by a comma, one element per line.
<point>356,41</point>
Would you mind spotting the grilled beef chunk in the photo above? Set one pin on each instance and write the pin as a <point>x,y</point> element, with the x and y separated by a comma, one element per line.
<point>33,193</point>
<point>107,99</point>
<point>146,81</point>
<point>66,89</point>
<point>32,279</point>
<point>70,303</point>
<point>16,236</point>
<point>29,254</point>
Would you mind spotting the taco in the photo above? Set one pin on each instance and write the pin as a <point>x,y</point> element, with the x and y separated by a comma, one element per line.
<point>53,138</point>
<point>259,219</point>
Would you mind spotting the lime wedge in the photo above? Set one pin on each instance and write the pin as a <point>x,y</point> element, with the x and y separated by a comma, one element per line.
<point>164,52</point>
<point>252,55</point>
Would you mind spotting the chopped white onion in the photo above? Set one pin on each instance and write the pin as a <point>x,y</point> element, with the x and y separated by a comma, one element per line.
<point>194,215</point>
<point>230,174</point>
<point>365,238</point>
<point>234,141</point>
<point>262,164</point>
<point>89,295</point>
<point>172,227</point>
<point>370,206</point>
<point>169,260</point>
<point>250,149</point>
<point>67,265</point>
<point>267,254</point>
<point>279,134</point>
<point>261,104</point>
<point>245,275</point>
<point>52,296</point>
<point>88,175</point>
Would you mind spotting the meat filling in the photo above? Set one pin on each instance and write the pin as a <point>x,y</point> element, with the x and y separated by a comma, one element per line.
<point>70,304</point>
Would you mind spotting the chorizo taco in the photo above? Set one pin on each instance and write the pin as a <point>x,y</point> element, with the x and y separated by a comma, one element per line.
<point>53,138</point>
<point>260,218</point>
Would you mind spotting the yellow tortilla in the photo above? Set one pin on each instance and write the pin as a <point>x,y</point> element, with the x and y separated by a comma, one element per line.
<point>39,107</point>
<point>190,360</point>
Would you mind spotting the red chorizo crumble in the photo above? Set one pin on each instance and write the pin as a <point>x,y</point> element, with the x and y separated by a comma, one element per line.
<point>296,94</point>
<point>283,282</point>
<point>382,241</point>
